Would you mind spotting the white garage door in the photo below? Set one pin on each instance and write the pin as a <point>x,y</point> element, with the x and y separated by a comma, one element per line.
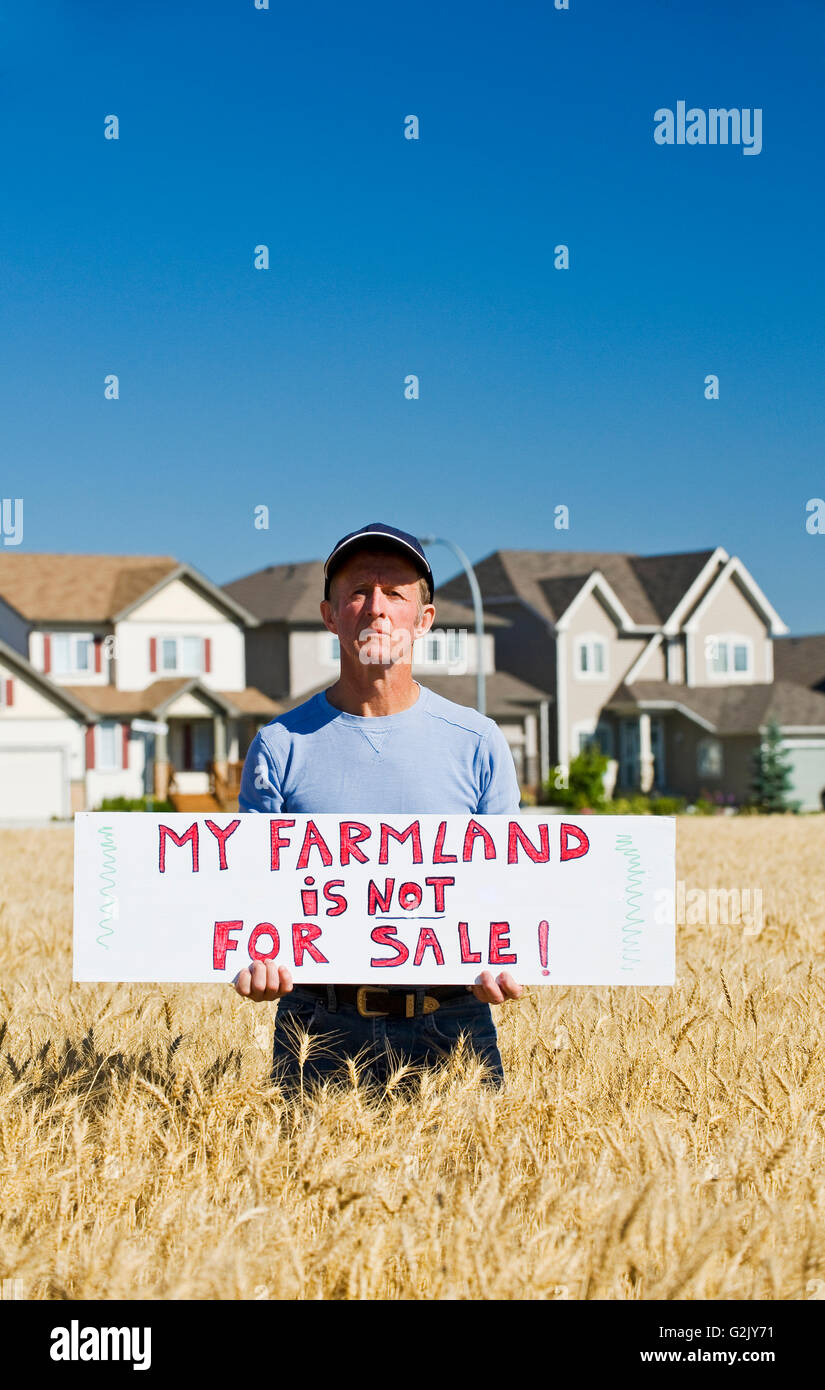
<point>807,760</point>
<point>32,783</point>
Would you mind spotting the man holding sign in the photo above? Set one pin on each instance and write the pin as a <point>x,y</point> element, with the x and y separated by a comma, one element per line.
<point>378,742</point>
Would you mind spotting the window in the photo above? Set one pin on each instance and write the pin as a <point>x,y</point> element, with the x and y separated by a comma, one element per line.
<point>329,649</point>
<point>709,758</point>
<point>71,653</point>
<point>591,658</point>
<point>435,647</point>
<point>457,646</point>
<point>445,647</point>
<point>728,654</point>
<point>601,737</point>
<point>183,655</point>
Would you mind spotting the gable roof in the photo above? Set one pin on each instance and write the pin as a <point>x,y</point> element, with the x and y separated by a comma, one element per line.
<point>282,593</point>
<point>649,586</point>
<point>108,701</point>
<point>93,588</point>
<point>800,659</point>
<point>292,593</point>
<point>63,588</point>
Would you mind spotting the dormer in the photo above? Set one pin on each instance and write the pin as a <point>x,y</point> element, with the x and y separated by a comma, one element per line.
<point>728,637</point>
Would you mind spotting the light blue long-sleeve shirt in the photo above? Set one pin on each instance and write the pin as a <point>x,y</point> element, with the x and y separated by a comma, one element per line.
<point>436,756</point>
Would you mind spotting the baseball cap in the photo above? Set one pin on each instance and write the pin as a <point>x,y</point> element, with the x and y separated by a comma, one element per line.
<point>383,536</point>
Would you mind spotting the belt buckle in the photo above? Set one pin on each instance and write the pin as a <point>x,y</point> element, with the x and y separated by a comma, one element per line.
<point>429,1004</point>
<point>360,1003</point>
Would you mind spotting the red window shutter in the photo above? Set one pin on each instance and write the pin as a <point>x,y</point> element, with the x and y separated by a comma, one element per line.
<point>153,653</point>
<point>125,746</point>
<point>90,747</point>
<point>9,694</point>
<point>98,645</point>
<point>207,653</point>
<point>47,653</point>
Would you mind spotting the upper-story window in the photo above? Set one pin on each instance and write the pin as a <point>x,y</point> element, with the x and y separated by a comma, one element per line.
<point>728,655</point>
<point>179,655</point>
<point>71,652</point>
<point>591,658</point>
<point>443,647</point>
<point>184,654</point>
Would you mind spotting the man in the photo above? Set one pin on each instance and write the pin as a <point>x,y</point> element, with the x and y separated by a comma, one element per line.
<point>377,741</point>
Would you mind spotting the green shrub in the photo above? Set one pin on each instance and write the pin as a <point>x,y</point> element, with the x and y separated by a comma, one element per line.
<point>667,805</point>
<point>636,805</point>
<point>125,803</point>
<point>585,782</point>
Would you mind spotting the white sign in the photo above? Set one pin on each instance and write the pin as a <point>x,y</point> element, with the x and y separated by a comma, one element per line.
<point>149,726</point>
<point>393,898</point>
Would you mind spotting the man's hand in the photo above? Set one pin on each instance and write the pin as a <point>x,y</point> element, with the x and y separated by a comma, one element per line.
<point>496,991</point>
<point>263,980</point>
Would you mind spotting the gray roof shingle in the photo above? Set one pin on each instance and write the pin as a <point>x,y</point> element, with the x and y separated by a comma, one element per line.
<point>649,586</point>
<point>733,709</point>
<point>801,660</point>
<point>292,593</point>
<point>506,695</point>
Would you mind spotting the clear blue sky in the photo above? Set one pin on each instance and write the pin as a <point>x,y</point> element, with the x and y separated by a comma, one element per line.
<point>285,387</point>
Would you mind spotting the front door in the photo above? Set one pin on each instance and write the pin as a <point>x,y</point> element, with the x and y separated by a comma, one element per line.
<point>657,748</point>
<point>629,768</point>
<point>191,744</point>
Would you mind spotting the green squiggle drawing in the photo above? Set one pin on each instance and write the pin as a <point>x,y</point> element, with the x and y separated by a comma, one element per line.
<point>108,900</point>
<point>633,922</point>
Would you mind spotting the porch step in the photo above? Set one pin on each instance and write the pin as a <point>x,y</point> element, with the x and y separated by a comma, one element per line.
<point>195,801</point>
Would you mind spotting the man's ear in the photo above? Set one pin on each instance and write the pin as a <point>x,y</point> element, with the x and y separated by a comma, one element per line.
<point>426,621</point>
<point>327,615</point>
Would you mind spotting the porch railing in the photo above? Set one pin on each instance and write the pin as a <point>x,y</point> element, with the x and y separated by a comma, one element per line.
<point>225,782</point>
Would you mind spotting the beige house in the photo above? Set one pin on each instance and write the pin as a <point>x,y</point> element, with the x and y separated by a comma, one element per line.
<point>291,656</point>
<point>89,644</point>
<point>673,663</point>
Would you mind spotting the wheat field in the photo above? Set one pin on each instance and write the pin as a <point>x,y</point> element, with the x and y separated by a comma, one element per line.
<point>651,1143</point>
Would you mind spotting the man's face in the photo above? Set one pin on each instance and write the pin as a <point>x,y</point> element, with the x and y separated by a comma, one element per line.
<point>375,608</point>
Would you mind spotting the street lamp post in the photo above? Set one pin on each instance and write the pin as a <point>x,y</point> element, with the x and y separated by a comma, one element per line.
<point>481,697</point>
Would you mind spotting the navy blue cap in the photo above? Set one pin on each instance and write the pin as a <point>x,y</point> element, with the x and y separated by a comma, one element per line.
<point>383,537</point>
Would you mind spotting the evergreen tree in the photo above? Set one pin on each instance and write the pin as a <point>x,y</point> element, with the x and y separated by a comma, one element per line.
<point>771,773</point>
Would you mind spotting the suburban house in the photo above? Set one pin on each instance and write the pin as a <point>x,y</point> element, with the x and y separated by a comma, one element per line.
<point>91,643</point>
<point>290,655</point>
<point>673,663</point>
<point>125,675</point>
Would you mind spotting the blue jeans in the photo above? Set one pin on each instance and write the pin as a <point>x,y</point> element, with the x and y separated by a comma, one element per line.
<point>378,1043</point>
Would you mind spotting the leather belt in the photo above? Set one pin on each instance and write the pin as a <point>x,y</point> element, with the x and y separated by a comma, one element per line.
<point>373,1001</point>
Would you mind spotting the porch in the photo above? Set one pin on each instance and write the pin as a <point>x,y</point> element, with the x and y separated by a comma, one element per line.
<point>678,752</point>
<point>197,765</point>
<point>636,746</point>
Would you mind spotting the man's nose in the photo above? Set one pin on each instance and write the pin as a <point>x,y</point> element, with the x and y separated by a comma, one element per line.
<point>377,602</point>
